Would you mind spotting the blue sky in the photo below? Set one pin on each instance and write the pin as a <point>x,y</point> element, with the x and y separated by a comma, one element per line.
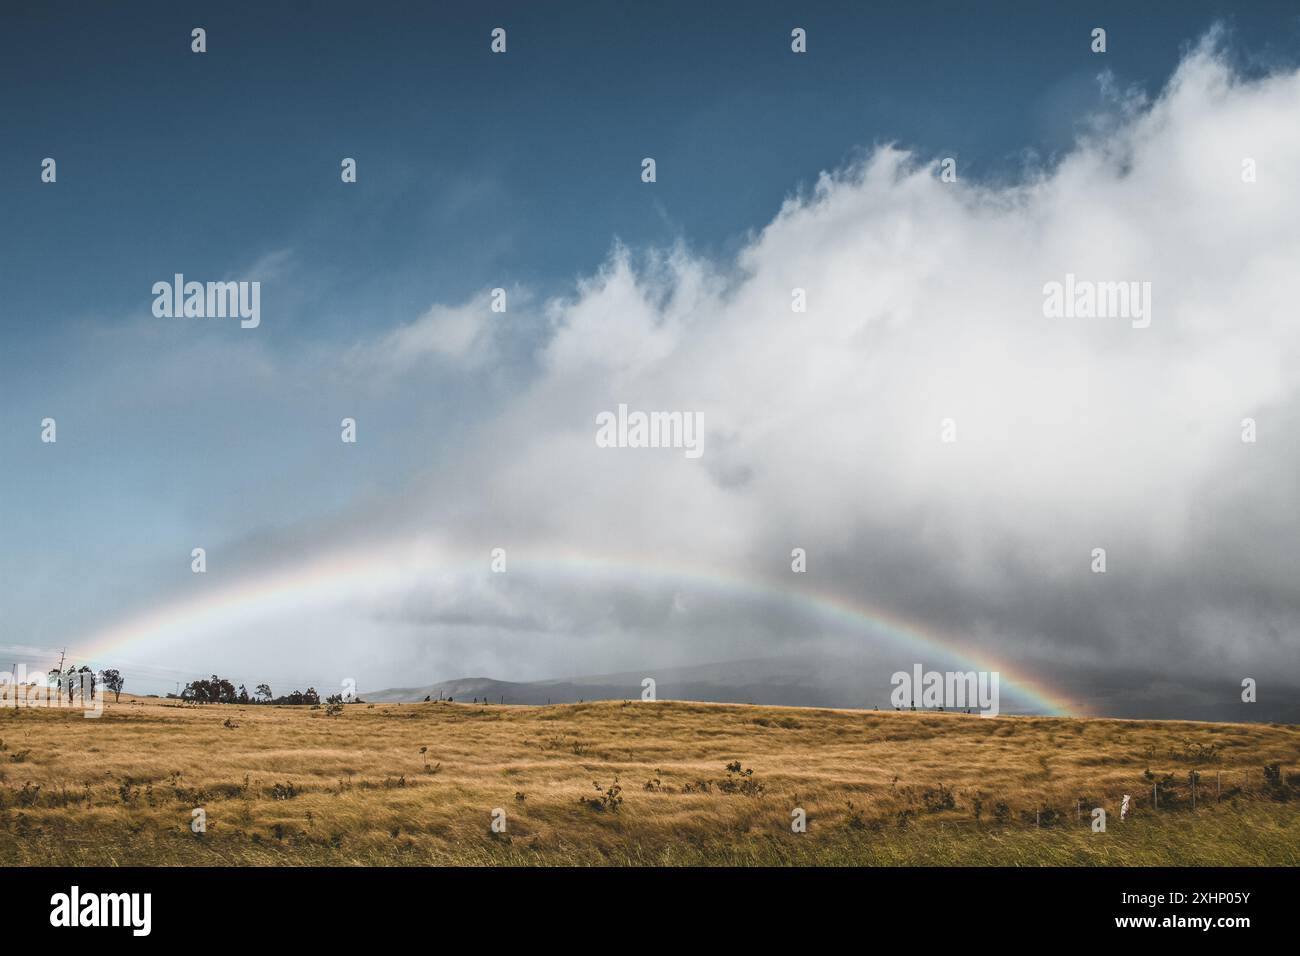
<point>475,167</point>
<point>475,171</point>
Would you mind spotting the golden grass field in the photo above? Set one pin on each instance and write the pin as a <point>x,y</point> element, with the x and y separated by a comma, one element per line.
<point>295,785</point>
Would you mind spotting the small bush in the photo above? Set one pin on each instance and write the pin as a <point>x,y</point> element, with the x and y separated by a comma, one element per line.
<point>608,798</point>
<point>854,820</point>
<point>1041,817</point>
<point>740,780</point>
<point>1194,752</point>
<point>935,800</point>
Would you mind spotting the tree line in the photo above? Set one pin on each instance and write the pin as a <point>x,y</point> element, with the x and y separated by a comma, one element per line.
<point>219,690</point>
<point>85,679</point>
<point>213,690</point>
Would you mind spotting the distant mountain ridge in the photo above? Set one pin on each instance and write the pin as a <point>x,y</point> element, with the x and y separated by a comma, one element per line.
<point>818,680</point>
<point>779,681</point>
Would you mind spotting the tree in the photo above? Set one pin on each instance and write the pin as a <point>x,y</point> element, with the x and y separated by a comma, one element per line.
<point>84,675</point>
<point>299,697</point>
<point>223,691</point>
<point>114,681</point>
<point>243,694</point>
<point>263,693</point>
<point>218,690</point>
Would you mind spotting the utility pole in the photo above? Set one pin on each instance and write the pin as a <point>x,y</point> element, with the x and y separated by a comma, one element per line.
<point>58,684</point>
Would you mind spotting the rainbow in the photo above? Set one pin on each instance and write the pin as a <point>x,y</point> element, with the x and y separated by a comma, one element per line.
<point>315,584</point>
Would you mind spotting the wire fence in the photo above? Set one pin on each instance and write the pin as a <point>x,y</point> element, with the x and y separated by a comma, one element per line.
<point>1188,790</point>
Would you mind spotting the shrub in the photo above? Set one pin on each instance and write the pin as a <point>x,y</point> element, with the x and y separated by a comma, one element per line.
<point>940,799</point>
<point>1194,752</point>
<point>853,819</point>
<point>740,780</point>
<point>1040,817</point>
<point>1276,787</point>
<point>608,798</point>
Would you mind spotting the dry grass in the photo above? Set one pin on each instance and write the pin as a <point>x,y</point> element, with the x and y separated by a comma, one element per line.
<point>292,785</point>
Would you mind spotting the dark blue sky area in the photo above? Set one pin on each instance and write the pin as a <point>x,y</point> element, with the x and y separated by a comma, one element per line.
<point>479,170</point>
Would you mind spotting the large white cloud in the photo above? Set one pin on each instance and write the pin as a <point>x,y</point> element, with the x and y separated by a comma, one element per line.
<point>924,303</point>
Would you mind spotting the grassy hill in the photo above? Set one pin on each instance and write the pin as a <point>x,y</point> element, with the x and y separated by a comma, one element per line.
<point>641,783</point>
